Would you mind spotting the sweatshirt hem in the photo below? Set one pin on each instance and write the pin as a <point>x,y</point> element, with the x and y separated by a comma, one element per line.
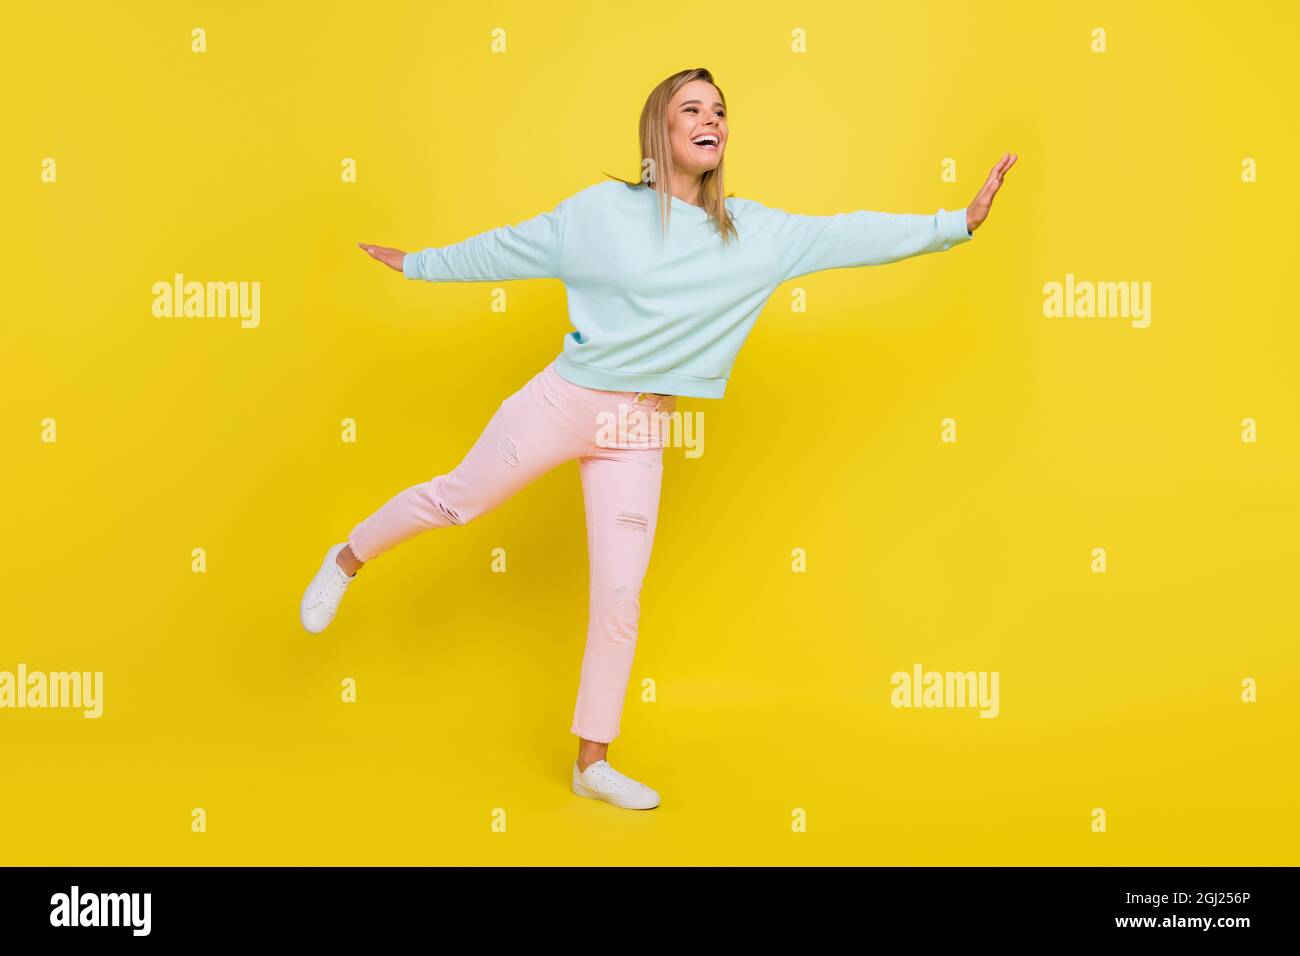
<point>666,383</point>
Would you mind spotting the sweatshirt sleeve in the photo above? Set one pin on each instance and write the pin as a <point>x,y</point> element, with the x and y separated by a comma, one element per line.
<point>531,249</point>
<point>863,238</point>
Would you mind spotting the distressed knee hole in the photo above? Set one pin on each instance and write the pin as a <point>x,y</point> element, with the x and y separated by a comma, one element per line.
<point>551,394</point>
<point>450,513</point>
<point>620,592</point>
<point>508,451</point>
<point>649,464</point>
<point>632,521</point>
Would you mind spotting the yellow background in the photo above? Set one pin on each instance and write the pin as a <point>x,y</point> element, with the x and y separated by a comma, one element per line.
<point>1118,690</point>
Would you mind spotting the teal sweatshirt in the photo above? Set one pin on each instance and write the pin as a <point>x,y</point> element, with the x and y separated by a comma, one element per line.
<point>655,312</point>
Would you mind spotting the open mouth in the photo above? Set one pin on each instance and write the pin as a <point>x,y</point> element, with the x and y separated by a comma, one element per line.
<point>706,141</point>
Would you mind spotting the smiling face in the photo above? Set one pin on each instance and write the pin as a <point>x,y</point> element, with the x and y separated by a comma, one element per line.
<point>697,128</point>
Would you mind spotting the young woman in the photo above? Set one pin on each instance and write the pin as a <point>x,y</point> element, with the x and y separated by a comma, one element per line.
<point>660,310</point>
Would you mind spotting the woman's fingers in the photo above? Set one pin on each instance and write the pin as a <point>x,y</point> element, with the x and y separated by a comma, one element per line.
<point>389,257</point>
<point>999,170</point>
<point>1006,162</point>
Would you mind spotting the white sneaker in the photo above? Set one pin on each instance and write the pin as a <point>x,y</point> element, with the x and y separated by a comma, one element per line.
<point>600,781</point>
<point>321,600</point>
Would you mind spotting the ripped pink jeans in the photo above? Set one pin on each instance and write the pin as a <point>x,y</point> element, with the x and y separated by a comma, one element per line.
<point>549,421</point>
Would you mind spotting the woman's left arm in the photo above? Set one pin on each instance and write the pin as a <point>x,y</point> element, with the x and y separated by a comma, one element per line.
<point>865,238</point>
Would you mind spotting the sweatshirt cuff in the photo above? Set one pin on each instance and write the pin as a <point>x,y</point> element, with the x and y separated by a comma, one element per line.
<point>411,265</point>
<point>952,226</point>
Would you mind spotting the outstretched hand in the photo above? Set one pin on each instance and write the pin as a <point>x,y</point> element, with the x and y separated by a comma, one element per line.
<point>978,210</point>
<point>389,257</point>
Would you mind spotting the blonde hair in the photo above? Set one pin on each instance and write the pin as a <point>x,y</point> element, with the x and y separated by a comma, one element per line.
<point>657,155</point>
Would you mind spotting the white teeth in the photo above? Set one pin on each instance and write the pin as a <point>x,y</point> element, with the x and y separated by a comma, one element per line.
<point>708,139</point>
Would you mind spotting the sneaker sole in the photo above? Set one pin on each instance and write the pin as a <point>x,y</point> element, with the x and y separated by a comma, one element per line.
<point>612,799</point>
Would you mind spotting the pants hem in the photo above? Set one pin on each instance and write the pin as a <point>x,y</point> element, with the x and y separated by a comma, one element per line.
<point>355,553</point>
<point>594,738</point>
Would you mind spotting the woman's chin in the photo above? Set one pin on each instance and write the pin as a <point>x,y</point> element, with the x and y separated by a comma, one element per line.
<point>697,167</point>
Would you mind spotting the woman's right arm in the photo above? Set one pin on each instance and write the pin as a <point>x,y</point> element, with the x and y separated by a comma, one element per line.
<point>531,249</point>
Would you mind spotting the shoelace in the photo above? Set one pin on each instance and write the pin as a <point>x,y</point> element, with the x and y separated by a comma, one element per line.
<point>336,583</point>
<point>610,775</point>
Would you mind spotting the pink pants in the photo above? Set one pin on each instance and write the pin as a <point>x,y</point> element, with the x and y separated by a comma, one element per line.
<point>546,423</point>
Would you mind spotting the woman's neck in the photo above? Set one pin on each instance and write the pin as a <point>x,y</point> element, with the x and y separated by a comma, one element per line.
<point>687,188</point>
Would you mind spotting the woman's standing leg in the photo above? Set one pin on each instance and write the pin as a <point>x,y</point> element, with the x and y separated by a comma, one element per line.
<point>520,443</point>
<point>621,490</point>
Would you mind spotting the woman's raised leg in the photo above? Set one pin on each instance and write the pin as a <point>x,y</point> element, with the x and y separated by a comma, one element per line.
<point>520,443</point>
